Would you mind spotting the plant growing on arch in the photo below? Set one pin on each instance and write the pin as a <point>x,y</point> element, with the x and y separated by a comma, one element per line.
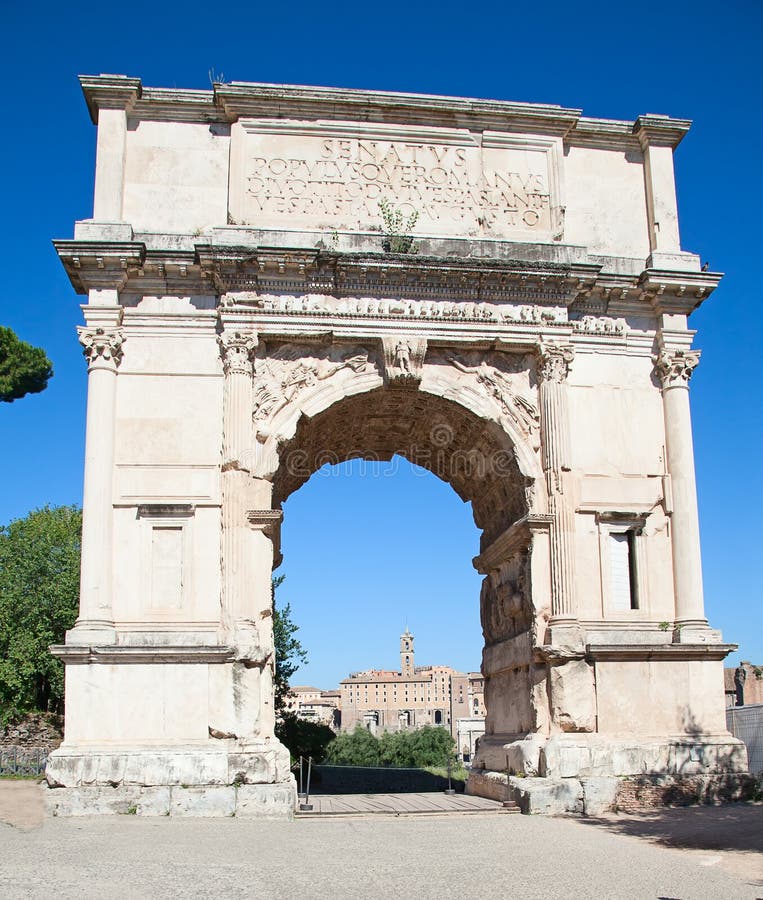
<point>397,228</point>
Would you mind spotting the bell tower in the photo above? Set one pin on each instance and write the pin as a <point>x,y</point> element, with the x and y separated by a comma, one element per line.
<point>406,653</point>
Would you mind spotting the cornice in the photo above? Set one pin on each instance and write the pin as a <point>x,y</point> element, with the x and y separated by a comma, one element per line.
<point>100,265</point>
<point>73,654</point>
<point>660,131</point>
<point>244,100</point>
<point>109,92</point>
<point>413,277</point>
<point>207,268</point>
<point>677,292</point>
<point>227,103</point>
<point>177,106</point>
<point>657,652</point>
<point>604,134</point>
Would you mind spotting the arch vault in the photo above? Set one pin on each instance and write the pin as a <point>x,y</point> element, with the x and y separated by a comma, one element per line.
<point>246,323</point>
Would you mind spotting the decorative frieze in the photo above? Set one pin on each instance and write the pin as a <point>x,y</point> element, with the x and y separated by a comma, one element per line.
<point>399,308</point>
<point>599,325</point>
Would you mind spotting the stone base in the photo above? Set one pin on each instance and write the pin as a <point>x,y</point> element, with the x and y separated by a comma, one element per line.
<point>580,755</point>
<point>220,762</point>
<point>274,801</point>
<point>598,795</point>
<point>589,774</point>
<point>226,777</point>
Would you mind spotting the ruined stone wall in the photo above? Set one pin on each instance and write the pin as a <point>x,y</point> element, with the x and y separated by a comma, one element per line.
<point>36,730</point>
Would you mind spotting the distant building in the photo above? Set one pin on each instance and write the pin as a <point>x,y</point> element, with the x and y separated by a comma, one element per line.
<point>315,705</point>
<point>385,700</point>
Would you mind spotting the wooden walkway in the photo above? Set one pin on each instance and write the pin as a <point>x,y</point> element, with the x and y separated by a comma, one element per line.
<point>398,805</point>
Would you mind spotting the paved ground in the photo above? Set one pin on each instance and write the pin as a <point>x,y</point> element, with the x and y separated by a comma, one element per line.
<point>383,857</point>
<point>398,804</point>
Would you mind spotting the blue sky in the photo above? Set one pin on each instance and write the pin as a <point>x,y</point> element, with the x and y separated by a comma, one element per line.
<point>696,60</point>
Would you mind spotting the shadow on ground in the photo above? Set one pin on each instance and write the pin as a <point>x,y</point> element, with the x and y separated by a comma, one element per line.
<point>734,827</point>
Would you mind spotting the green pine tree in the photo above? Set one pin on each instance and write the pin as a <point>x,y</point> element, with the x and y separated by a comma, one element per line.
<point>24,369</point>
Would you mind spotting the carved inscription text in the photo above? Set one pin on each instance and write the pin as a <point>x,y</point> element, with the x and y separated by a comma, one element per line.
<point>455,188</point>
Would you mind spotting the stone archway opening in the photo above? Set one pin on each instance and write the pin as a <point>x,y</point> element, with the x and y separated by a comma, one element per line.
<point>479,460</point>
<point>372,549</point>
<point>408,518</point>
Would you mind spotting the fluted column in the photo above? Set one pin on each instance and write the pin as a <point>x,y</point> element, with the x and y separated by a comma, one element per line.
<point>237,349</point>
<point>674,369</point>
<point>553,367</point>
<point>103,351</point>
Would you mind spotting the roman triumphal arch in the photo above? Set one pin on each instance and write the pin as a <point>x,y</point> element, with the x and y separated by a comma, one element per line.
<point>251,310</point>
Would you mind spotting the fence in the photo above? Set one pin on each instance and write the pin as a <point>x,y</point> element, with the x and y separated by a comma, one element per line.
<point>22,760</point>
<point>372,780</point>
<point>746,723</point>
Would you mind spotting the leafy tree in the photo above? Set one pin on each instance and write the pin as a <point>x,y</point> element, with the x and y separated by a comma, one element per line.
<point>431,746</point>
<point>290,654</point>
<point>354,748</point>
<point>427,746</point>
<point>24,369</point>
<point>303,738</point>
<point>39,591</point>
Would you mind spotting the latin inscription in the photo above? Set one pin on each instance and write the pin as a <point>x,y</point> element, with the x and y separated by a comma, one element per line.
<point>339,182</point>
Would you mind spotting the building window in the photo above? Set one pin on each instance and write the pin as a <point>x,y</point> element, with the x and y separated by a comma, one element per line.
<point>624,562</point>
<point>438,717</point>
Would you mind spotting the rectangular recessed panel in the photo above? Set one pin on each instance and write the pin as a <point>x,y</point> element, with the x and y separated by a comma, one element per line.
<point>167,567</point>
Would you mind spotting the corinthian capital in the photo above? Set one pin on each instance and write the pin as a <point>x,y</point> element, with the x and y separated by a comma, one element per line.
<point>237,349</point>
<point>102,345</point>
<point>554,361</point>
<point>674,367</point>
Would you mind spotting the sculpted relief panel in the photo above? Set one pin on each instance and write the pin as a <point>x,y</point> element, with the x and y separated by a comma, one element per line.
<point>506,609</point>
<point>329,176</point>
<point>503,379</point>
<point>288,370</point>
<point>284,373</point>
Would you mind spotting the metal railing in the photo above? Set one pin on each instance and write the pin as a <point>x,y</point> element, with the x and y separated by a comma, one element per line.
<point>746,723</point>
<point>29,761</point>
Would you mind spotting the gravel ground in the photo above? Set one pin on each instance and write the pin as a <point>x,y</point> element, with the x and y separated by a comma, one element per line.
<point>379,857</point>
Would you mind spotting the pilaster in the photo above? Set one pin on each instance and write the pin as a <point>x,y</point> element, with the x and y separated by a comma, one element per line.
<point>237,350</point>
<point>102,340</point>
<point>553,367</point>
<point>674,368</point>
<point>658,136</point>
<point>109,99</point>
